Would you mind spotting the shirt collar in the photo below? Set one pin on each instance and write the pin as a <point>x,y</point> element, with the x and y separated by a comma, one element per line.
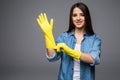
<point>72,33</point>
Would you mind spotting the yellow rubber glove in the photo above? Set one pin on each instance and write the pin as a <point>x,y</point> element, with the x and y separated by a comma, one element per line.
<point>73,53</point>
<point>47,27</point>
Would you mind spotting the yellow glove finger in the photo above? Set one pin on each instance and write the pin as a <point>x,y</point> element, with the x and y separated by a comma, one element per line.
<point>51,23</point>
<point>41,19</point>
<point>45,17</point>
<point>59,48</point>
<point>39,22</point>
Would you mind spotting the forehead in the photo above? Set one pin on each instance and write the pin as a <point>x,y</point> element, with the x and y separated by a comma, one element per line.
<point>77,10</point>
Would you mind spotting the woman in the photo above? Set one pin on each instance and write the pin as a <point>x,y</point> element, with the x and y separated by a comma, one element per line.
<point>78,48</point>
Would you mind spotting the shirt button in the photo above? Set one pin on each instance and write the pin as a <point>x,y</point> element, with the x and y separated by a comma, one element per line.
<point>72,68</point>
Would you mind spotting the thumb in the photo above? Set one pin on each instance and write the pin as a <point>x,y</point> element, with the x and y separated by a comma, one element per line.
<point>58,48</point>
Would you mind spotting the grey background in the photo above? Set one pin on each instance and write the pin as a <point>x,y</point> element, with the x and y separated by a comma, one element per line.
<point>22,46</point>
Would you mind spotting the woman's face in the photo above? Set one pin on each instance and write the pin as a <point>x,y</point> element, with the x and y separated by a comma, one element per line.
<point>78,18</point>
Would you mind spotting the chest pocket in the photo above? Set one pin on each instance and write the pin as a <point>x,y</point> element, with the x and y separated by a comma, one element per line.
<point>86,45</point>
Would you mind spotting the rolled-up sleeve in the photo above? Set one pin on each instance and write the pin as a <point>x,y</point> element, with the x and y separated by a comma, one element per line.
<point>96,51</point>
<point>55,57</point>
<point>50,57</point>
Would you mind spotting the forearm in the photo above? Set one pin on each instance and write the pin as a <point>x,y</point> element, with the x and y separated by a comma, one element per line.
<point>50,52</point>
<point>86,58</point>
<point>75,53</point>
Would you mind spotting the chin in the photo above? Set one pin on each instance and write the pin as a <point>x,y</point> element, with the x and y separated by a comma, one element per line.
<point>80,27</point>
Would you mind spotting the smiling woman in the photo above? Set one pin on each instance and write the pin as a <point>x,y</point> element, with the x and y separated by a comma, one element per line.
<point>79,48</point>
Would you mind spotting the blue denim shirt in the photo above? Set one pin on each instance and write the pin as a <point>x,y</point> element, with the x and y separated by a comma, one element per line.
<point>90,45</point>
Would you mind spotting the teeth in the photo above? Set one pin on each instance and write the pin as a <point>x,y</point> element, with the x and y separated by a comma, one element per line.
<point>78,22</point>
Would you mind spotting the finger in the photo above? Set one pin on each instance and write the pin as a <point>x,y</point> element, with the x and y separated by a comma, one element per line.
<point>45,18</point>
<point>57,48</point>
<point>40,19</point>
<point>62,50</point>
<point>51,23</point>
<point>39,22</point>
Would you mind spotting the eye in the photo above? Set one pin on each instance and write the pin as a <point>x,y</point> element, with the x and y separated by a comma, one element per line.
<point>81,14</point>
<point>74,15</point>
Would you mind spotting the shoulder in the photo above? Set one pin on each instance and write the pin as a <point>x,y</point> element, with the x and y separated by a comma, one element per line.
<point>63,37</point>
<point>94,36</point>
<point>65,34</point>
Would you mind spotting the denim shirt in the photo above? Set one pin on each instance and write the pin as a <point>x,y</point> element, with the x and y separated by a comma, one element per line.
<point>90,45</point>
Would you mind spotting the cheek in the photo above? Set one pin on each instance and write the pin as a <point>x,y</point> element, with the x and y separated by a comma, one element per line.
<point>73,20</point>
<point>84,18</point>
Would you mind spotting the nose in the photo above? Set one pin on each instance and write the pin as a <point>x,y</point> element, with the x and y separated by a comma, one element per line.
<point>78,18</point>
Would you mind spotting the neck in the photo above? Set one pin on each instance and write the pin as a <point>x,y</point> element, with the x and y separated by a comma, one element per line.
<point>79,35</point>
<point>79,32</point>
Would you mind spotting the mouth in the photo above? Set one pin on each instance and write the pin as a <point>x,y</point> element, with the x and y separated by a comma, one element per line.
<point>79,22</point>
